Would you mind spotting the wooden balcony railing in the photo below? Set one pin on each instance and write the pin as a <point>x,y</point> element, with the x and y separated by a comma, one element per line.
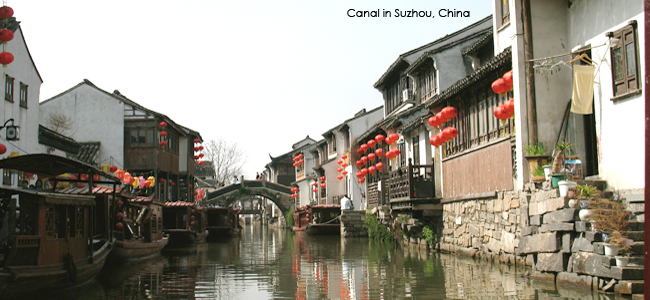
<point>412,182</point>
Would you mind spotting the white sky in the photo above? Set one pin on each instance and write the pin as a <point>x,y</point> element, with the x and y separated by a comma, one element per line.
<point>263,74</point>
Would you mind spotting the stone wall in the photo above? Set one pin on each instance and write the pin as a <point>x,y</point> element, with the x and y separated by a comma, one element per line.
<point>352,223</point>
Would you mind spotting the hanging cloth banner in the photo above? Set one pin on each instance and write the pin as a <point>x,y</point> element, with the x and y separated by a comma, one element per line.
<point>583,89</point>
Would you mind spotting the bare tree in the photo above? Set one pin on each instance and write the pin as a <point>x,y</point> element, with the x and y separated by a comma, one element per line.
<point>59,122</point>
<point>227,158</point>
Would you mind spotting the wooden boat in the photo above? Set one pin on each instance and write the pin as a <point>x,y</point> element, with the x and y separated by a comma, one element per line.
<point>141,235</point>
<point>223,221</point>
<point>51,240</point>
<point>319,219</point>
<point>184,222</point>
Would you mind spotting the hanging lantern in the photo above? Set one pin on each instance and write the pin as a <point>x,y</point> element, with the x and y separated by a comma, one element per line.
<point>322,185</point>
<point>344,172</point>
<point>201,155</point>
<point>314,183</point>
<point>196,149</point>
<point>387,140</point>
<point>315,189</point>
<point>499,86</point>
<point>394,137</point>
<point>322,178</point>
<point>197,140</point>
<point>119,202</point>
<point>449,112</point>
<point>196,157</point>
<point>3,149</point>
<point>364,160</point>
<point>371,170</point>
<point>364,148</point>
<point>119,215</point>
<point>113,169</point>
<point>433,141</point>
<point>163,124</point>
<point>339,161</point>
<point>361,180</point>
<point>371,157</point>
<point>507,78</point>
<point>379,166</point>
<point>163,133</point>
<point>510,106</point>
<point>97,177</point>
<point>6,12</point>
<point>119,225</point>
<point>6,35</point>
<point>344,156</point>
<point>359,164</point>
<point>379,138</point>
<point>371,143</point>
<point>200,163</point>
<point>344,164</point>
<point>358,174</point>
<point>433,121</point>
<point>171,183</point>
<point>359,151</point>
<point>200,147</point>
<point>379,152</point>
<point>6,58</point>
<point>339,169</point>
<point>192,223</point>
<point>364,172</point>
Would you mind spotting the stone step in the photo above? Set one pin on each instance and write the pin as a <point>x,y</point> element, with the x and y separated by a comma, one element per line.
<point>636,208</point>
<point>628,287</point>
<point>600,184</point>
<point>636,249</point>
<point>636,236</point>
<point>635,226</point>
<point>609,261</point>
<point>635,198</point>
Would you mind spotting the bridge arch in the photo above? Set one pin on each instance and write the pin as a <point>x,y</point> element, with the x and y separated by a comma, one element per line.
<point>276,193</point>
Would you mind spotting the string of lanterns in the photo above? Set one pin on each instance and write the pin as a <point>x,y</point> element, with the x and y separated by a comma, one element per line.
<point>437,121</point>
<point>197,149</point>
<point>297,160</point>
<point>6,35</point>
<point>294,192</point>
<point>506,110</point>
<point>372,162</point>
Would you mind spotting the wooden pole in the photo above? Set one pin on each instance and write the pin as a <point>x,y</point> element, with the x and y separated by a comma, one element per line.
<point>531,102</point>
<point>646,225</point>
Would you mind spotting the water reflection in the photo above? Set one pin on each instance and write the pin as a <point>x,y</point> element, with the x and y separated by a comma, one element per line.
<point>266,263</point>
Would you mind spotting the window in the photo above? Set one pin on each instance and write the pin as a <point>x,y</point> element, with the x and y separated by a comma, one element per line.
<point>9,88</point>
<point>394,93</point>
<point>332,144</point>
<point>138,137</point>
<point>23,95</point>
<point>416,150</point>
<point>624,61</point>
<point>427,83</point>
<point>504,6</point>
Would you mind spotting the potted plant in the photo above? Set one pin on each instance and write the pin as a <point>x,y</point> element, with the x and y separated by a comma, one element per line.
<point>537,157</point>
<point>611,216</point>
<point>548,168</point>
<point>558,170</point>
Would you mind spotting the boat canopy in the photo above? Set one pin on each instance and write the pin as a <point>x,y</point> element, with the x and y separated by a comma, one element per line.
<point>53,165</point>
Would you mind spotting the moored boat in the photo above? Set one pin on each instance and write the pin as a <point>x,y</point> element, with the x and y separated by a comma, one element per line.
<point>319,219</point>
<point>223,221</point>
<point>184,222</point>
<point>51,240</point>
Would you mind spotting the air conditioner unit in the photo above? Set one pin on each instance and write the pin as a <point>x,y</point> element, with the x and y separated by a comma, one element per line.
<point>13,133</point>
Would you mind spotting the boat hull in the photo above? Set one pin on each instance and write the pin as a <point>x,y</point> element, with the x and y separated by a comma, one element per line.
<point>183,237</point>
<point>132,250</point>
<point>221,232</point>
<point>323,229</point>
<point>18,281</point>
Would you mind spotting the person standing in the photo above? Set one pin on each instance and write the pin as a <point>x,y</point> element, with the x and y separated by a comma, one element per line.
<point>346,203</point>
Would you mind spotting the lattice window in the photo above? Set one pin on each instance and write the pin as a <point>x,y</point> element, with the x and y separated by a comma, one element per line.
<point>79,221</point>
<point>49,222</point>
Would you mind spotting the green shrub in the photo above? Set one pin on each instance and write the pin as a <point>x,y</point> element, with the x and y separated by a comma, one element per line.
<point>429,235</point>
<point>539,171</point>
<point>535,149</point>
<point>376,230</point>
<point>288,217</point>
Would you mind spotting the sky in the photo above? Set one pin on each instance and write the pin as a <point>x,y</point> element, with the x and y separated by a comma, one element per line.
<point>262,74</point>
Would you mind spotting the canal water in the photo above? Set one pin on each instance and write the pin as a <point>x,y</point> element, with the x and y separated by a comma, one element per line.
<point>268,263</point>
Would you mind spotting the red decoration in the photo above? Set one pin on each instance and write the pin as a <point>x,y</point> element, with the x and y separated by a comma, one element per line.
<point>6,12</point>
<point>339,161</point>
<point>344,164</point>
<point>359,164</point>
<point>119,215</point>
<point>197,140</point>
<point>112,169</point>
<point>171,183</point>
<point>364,171</point>
<point>163,124</point>
<point>344,172</point>
<point>201,155</point>
<point>433,121</point>
<point>507,78</point>
<point>6,58</point>
<point>119,225</point>
<point>339,177</point>
<point>196,157</point>
<point>339,169</point>
<point>314,183</point>
<point>97,177</point>
<point>379,138</point>
<point>163,143</point>
<point>6,35</point>
<point>200,163</point>
<point>371,143</point>
<point>364,148</point>
<point>192,223</point>
<point>3,149</point>
<point>322,178</point>
<point>361,180</point>
<point>119,202</point>
<point>293,190</point>
<point>449,112</point>
<point>161,180</point>
<point>322,185</point>
<point>371,169</point>
<point>200,147</point>
<point>510,106</point>
<point>433,141</point>
<point>499,86</point>
<point>163,133</point>
<point>371,157</point>
<point>364,160</point>
<point>360,151</point>
<point>379,152</point>
<point>344,156</point>
<point>379,166</point>
<point>387,140</point>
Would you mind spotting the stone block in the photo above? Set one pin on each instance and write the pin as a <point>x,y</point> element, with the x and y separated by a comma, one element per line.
<point>542,242</point>
<point>494,245</point>
<point>591,264</point>
<point>473,230</point>
<point>552,262</point>
<point>460,230</point>
<point>514,203</point>
<point>536,220</point>
<point>544,281</point>
<point>599,248</point>
<point>582,244</point>
<point>573,279</point>
<point>593,236</point>
<point>544,195</point>
<point>498,205</point>
<point>508,241</point>
<point>582,226</point>
<point>560,226</point>
<point>562,215</point>
<point>628,287</point>
<point>567,238</point>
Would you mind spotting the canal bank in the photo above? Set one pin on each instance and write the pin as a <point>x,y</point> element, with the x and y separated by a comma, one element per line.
<point>538,229</point>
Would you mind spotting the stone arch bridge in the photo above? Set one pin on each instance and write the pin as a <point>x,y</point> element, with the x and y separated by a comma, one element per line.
<point>277,193</point>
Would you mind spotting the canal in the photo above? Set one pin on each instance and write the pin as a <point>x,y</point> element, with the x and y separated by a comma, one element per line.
<point>268,263</point>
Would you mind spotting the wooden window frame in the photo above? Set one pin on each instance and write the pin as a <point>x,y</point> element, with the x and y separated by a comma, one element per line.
<point>23,95</point>
<point>415,145</point>
<point>428,83</point>
<point>332,144</point>
<point>627,84</point>
<point>9,88</point>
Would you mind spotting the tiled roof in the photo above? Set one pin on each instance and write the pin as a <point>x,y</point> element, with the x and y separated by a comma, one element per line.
<point>178,204</point>
<point>486,39</point>
<point>88,152</point>
<point>99,189</point>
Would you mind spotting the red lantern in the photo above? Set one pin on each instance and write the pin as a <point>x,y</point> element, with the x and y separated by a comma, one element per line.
<point>196,157</point>
<point>379,152</point>
<point>322,178</point>
<point>200,147</point>
<point>359,164</point>
<point>339,161</point>
<point>371,143</point>
<point>192,223</point>
<point>171,183</point>
<point>322,185</point>
<point>361,180</point>
<point>360,151</point>
<point>163,133</point>
<point>6,58</point>
<point>200,163</point>
<point>97,177</point>
<point>433,141</point>
<point>112,169</point>
<point>344,172</point>
<point>3,149</point>
<point>163,124</point>
<point>161,180</point>
<point>394,137</point>
<point>358,174</point>
<point>387,140</point>
<point>371,170</point>
<point>314,183</point>
<point>499,86</point>
<point>364,172</point>
<point>397,152</point>
<point>379,138</point>
<point>371,157</point>
<point>433,121</point>
<point>197,140</point>
<point>364,148</point>
<point>84,177</point>
<point>293,190</point>
<point>6,12</point>
<point>344,156</point>
<point>119,202</point>
<point>201,155</point>
<point>379,166</point>
<point>315,189</point>
<point>344,164</point>
<point>507,78</point>
<point>196,149</point>
<point>510,106</point>
<point>449,112</point>
<point>6,35</point>
<point>339,169</point>
<point>119,215</point>
<point>301,161</point>
<point>453,132</point>
<point>119,225</point>
<point>163,143</point>
<point>339,177</point>
<point>364,160</point>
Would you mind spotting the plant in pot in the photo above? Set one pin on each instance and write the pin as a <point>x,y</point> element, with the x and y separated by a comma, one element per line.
<point>558,170</point>
<point>548,169</point>
<point>610,216</point>
<point>537,157</point>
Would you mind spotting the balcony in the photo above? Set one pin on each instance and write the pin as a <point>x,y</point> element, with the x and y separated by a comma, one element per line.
<point>411,185</point>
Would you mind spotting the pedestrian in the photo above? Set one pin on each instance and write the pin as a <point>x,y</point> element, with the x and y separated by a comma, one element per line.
<point>257,177</point>
<point>346,203</point>
<point>38,184</point>
<point>25,184</point>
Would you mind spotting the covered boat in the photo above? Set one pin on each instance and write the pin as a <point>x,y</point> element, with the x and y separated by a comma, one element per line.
<point>51,240</point>
<point>223,221</point>
<point>184,222</point>
<point>319,219</point>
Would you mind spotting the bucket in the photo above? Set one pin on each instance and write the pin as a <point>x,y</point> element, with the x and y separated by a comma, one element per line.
<point>555,178</point>
<point>547,171</point>
<point>565,185</point>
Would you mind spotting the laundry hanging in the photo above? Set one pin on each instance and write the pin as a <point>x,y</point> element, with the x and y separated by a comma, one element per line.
<point>583,89</point>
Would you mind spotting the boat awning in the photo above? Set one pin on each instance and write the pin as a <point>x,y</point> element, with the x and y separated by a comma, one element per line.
<point>50,198</point>
<point>52,165</point>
